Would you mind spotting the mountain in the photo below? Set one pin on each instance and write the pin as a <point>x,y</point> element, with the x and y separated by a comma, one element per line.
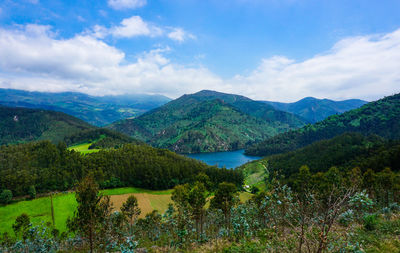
<point>381,117</point>
<point>208,121</point>
<point>22,125</point>
<point>315,110</point>
<point>97,111</point>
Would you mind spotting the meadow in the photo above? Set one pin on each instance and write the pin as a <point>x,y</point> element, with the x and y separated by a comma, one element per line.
<point>39,210</point>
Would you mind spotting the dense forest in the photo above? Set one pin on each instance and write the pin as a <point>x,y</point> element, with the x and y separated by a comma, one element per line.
<point>49,167</point>
<point>315,110</point>
<point>208,121</point>
<point>381,117</point>
<point>22,125</point>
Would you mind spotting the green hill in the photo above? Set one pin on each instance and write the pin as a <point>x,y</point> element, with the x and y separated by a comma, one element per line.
<point>381,117</point>
<point>98,111</point>
<point>23,125</point>
<point>208,121</point>
<point>315,110</point>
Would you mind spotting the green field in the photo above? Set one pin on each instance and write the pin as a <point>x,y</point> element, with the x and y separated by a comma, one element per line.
<point>39,210</point>
<point>83,148</point>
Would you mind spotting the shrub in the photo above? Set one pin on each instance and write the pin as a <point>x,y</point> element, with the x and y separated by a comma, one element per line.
<point>32,192</point>
<point>370,222</point>
<point>5,197</point>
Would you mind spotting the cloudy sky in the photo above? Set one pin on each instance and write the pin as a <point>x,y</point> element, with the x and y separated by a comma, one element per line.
<point>280,50</point>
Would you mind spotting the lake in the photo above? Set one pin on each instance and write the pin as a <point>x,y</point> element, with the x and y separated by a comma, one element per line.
<point>229,159</point>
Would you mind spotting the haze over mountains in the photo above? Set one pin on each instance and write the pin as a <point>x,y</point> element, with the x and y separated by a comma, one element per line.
<point>98,111</point>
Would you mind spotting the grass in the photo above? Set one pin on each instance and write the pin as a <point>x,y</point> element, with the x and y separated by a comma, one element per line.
<point>83,148</point>
<point>39,210</point>
<point>255,173</point>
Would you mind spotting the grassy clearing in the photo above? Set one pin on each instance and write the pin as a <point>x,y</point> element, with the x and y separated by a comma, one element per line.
<point>83,148</point>
<point>65,204</point>
<point>39,211</point>
<point>254,173</point>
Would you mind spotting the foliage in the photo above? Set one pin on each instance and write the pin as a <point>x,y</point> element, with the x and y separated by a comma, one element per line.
<point>381,117</point>
<point>5,196</point>
<point>23,125</point>
<point>51,167</point>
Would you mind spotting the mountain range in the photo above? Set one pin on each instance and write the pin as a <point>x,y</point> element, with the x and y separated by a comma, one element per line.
<point>208,121</point>
<point>96,110</point>
<point>315,110</point>
<point>381,117</point>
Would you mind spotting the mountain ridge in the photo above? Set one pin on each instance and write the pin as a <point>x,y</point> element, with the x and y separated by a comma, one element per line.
<point>208,121</point>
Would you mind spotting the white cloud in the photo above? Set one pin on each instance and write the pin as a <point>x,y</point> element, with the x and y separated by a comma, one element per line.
<point>33,57</point>
<point>126,4</point>
<point>365,67</point>
<point>135,26</point>
<point>179,35</point>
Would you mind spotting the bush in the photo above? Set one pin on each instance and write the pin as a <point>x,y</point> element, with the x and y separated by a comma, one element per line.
<point>346,218</point>
<point>5,197</point>
<point>370,222</point>
<point>32,192</point>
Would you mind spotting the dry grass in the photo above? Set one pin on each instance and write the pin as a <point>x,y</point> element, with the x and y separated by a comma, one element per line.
<point>147,202</point>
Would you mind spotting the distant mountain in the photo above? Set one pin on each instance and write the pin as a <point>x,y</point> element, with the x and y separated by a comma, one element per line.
<point>315,110</point>
<point>98,111</point>
<point>19,125</point>
<point>208,121</point>
<point>381,117</point>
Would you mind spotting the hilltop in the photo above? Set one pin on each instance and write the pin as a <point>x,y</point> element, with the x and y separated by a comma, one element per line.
<point>208,121</point>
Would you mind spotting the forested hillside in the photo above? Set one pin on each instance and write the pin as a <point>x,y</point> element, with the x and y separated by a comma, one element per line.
<point>24,125</point>
<point>95,110</point>
<point>381,117</point>
<point>315,110</point>
<point>208,121</point>
<point>346,152</point>
<point>48,167</point>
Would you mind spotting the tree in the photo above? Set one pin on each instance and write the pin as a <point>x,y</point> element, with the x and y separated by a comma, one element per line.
<point>90,212</point>
<point>21,226</point>
<point>197,199</point>
<point>131,210</point>
<point>32,192</point>
<point>225,198</point>
<point>5,197</point>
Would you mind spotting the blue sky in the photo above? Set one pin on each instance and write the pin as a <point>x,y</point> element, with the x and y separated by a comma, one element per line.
<point>278,50</point>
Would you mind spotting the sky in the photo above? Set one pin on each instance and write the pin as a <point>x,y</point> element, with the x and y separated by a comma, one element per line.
<point>277,50</point>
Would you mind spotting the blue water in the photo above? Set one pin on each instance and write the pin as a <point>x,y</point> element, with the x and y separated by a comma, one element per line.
<point>229,159</point>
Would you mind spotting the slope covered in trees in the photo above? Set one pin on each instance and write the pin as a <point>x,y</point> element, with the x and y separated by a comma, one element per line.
<point>49,167</point>
<point>346,151</point>
<point>381,117</point>
<point>315,110</point>
<point>95,110</point>
<point>208,121</point>
<point>23,125</point>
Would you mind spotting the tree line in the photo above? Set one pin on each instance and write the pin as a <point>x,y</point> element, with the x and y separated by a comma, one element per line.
<point>48,167</point>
